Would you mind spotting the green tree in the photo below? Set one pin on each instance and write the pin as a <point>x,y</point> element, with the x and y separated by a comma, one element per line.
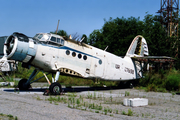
<point>155,36</point>
<point>61,33</point>
<point>96,38</point>
<point>117,34</point>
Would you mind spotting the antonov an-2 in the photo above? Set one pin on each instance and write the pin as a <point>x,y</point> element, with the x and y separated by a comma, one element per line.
<point>54,54</point>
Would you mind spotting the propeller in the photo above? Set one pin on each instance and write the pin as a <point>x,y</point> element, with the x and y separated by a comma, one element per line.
<point>9,44</point>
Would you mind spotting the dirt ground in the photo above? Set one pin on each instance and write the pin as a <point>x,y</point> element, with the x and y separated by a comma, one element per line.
<point>87,103</point>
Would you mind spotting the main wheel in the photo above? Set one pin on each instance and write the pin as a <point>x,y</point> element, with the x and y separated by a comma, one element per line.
<point>22,85</point>
<point>55,88</point>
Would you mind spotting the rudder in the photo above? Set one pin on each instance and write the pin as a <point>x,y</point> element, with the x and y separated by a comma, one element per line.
<point>138,47</point>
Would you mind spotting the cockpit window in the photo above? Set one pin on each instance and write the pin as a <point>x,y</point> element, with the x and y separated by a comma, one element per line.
<point>36,35</point>
<point>40,36</point>
<point>45,37</point>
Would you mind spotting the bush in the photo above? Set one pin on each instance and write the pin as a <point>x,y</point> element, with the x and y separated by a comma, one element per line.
<point>161,81</point>
<point>173,82</point>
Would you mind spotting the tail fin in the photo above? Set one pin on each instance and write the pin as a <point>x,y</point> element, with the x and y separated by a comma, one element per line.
<point>138,47</point>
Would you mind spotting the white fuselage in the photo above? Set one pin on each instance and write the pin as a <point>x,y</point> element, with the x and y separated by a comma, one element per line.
<point>84,61</point>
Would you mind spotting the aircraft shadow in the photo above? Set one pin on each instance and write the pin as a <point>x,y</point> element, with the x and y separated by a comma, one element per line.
<point>81,89</point>
<point>65,90</point>
<point>30,90</point>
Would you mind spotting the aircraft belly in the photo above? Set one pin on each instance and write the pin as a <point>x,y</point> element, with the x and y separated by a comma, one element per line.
<point>73,64</point>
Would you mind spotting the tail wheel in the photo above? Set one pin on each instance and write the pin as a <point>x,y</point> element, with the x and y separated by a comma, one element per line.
<point>131,85</point>
<point>22,85</point>
<point>55,88</point>
<point>128,84</point>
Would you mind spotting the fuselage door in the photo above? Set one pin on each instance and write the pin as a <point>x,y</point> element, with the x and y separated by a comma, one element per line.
<point>98,64</point>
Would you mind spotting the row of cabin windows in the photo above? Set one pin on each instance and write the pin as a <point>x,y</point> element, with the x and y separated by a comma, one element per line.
<point>74,55</point>
<point>80,56</point>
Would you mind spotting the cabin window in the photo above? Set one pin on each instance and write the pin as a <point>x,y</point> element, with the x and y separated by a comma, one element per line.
<point>67,52</point>
<point>58,40</point>
<point>73,54</point>
<point>62,42</point>
<point>79,56</point>
<point>85,57</point>
<point>53,39</point>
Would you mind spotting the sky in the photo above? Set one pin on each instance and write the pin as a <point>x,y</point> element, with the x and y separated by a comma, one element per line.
<point>76,16</point>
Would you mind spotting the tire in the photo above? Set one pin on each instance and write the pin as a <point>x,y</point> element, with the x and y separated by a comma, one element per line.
<point>55,88</point>
<point>131,85</point>
<point>127,84</point>
<point>22,85</point>
<point>121,85</point>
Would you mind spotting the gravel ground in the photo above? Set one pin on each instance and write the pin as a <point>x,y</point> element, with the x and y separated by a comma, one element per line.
<point>33,105</point>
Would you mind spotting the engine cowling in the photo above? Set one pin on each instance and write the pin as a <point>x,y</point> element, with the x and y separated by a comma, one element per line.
<point>19,47</point>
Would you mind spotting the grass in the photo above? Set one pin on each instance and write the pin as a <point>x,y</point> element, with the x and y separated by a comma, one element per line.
<point>86,103</point>
<point>9,117</point>
<point>38,98</point>
<point>130,112</point>
<point>161,81</point>
<point>82,103</point>
<point>127,93</point>
<point>124,113</point>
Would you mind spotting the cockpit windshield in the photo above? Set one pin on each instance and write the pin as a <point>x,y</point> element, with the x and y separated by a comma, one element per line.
<point>42,37</point>
<point>49,39</point>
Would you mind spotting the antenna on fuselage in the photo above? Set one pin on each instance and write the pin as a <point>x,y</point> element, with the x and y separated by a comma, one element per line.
<point>82,39</point>
<point>57,27</point>
<point>106,48</point>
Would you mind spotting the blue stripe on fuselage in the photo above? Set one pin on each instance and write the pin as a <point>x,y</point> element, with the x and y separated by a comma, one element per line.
<point>68,48</point>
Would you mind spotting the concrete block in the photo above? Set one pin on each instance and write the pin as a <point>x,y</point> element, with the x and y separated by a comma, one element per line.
<point>135,102</point>
<point>6,83</point>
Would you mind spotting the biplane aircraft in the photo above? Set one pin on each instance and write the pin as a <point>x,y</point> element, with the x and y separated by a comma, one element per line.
<point>51,53</point>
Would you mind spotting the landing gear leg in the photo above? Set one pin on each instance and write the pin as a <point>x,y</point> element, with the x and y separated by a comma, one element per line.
<point>24,84</point>
<point>55,88</point>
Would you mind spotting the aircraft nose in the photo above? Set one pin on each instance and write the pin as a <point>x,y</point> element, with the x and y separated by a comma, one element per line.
<point>19,47</point>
